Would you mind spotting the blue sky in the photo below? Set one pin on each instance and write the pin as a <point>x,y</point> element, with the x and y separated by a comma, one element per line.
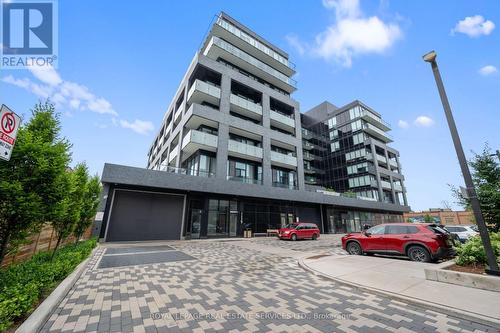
<point>119,66</point>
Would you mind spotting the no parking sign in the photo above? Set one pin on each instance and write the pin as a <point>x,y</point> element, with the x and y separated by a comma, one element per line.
<point>9,124</point>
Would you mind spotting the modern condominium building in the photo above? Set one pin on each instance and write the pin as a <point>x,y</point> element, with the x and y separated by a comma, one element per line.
<point>346,150</point>
<point>230,155</point>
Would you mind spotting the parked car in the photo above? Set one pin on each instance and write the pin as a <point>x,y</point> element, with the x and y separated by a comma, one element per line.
<point>420,242</point>
<point>300,230</point>
<point>463,232</point>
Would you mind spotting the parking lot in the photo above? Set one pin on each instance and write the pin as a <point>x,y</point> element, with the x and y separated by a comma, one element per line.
<point>209,286</point>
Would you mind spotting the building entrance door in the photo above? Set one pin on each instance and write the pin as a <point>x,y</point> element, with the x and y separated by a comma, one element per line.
<point>233,223</point>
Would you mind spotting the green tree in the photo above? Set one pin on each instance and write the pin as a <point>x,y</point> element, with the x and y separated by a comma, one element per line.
<point>428,218</point>
<point>29,181</point>
<point>485,171</point>
<point>89,206</point>
<point>73,185</point>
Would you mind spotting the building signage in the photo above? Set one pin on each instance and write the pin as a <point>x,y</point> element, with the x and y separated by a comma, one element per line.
<point>9,124</point>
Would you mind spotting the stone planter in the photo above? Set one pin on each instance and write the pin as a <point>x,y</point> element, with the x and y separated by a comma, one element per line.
<point>478,281</point>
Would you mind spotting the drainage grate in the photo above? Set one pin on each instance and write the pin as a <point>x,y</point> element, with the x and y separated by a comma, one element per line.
<point>143,259</point>
<point>139,249</point>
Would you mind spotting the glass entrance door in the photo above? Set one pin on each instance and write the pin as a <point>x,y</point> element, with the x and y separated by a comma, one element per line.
<point>233,223</point>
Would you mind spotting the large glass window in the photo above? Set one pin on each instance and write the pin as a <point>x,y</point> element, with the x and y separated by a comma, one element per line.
<point>244,171</point>
<point>200,164</point>
<point>222,216</point>
<point>284,178</point>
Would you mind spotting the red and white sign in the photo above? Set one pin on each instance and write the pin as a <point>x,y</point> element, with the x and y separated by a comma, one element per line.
<point>9,124</point>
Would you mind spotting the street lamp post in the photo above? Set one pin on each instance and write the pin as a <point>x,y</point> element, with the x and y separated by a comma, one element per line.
<point>471,191</point>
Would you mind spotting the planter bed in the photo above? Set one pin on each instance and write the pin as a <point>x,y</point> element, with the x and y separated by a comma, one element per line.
<point>467,276</point>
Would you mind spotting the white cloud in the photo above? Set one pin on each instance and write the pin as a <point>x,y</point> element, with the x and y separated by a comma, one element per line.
<point>74,96</point>
<point>488,70</point>
<point>352,35</point>
<point>138,126</point>
<point>294,42</point>
<point>474,26</point>
<point>403,124</point>
<point>46,74</point>
<point>424,121</point>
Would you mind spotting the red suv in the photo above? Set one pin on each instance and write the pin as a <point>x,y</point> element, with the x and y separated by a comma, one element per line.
<point>420,242</point>
<point>296,231</point>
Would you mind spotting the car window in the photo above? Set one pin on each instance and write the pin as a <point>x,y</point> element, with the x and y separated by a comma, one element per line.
<point>412,229</point>
<point>291,226</point>
<point>396,229</point>
<point>376,230</point>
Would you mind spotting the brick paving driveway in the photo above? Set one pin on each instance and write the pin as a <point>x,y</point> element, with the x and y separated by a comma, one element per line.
<point>230,288</point>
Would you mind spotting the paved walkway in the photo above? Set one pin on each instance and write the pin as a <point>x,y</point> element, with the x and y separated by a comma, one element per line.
<point>407,278</point>
<point>231,287</point>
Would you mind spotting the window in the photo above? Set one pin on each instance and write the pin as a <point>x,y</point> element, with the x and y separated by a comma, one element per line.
<point>335,146</point>
<point>244,171</point>
<point>412,229</point>
<point>356,125</point>
<point>377,230</point>
<point>358,138</point>
<point>332,122</point>
<point>395,229</point>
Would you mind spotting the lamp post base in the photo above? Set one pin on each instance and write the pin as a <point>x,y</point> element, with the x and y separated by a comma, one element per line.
<point>492,272</point>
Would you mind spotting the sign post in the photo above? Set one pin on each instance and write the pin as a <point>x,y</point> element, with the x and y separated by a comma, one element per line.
<point>9,124</point>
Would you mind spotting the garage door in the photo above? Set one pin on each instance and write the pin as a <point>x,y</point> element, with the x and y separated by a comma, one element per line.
<point>138,216</point>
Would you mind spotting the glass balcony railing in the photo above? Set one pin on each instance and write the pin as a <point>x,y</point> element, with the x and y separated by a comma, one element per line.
<point>282,118</point>
<point>245,180</point>
<point>283,158</point>
<point>183,171</point>
<point>253,61</point>
<point>283,185</point>
<point>244,149</point>
<point>254,42</point>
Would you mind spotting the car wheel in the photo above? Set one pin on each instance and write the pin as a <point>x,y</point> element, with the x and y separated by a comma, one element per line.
<point>314,237</point>
<point>294,237</point>
<point>354,248</point>
<point>419,254</point>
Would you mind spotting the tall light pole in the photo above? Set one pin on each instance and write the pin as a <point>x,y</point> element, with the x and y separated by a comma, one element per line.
<point>471,191</point>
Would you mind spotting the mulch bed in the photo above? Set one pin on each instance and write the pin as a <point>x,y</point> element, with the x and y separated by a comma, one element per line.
<point>476,269</point>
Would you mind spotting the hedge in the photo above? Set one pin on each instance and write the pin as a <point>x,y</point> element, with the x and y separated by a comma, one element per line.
<point>23,285</point>
<point>472,252</point>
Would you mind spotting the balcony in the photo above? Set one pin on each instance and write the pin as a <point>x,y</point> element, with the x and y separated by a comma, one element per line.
<point>245,107</point>
<point>393,163</point>
<point>308,156</point>
<point>398,187</point>
<point>178,114</point>
<point>374,120</point>
<point>173,154</point>
<point>282,121</point>
<point>381,159</point>
<point>245,180</point>
<point>377,132</point>
<point>202,91</point>
<point>169,128</point>
<point>307,145</point>
<point>195,140</point>
<point>245,151</point>
<point>247,43</point>
<point>218,48</point>
<point>288,186</point>
<point>385,184</point>
<point>283,160</point>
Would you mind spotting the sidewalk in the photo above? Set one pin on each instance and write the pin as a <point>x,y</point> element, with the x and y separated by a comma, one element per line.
<point>405,279</point>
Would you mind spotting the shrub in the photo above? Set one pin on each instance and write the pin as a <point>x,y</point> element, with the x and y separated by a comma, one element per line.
<point>23,285</point>
<point>472,252</point>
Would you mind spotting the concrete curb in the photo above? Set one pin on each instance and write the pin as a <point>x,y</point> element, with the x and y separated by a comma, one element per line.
<point>441,274</point>
<point>454,312</point>
<point>42,313</point>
